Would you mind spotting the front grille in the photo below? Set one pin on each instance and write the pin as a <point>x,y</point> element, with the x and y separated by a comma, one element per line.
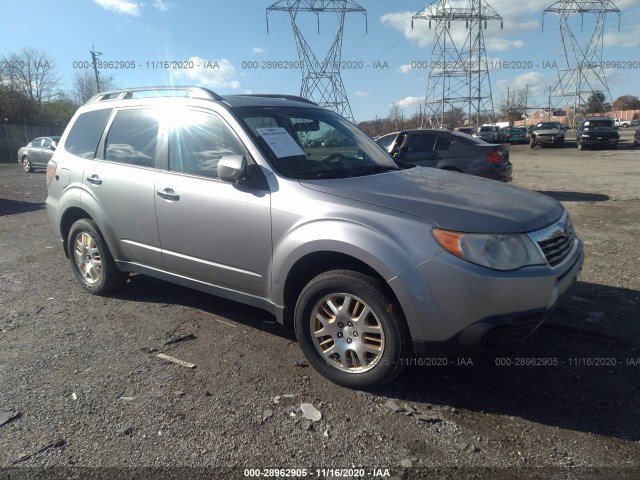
<point>556,241</point>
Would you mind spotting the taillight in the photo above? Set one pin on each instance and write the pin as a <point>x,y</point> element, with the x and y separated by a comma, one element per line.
<point>495,157</point>
<point>51,171</point>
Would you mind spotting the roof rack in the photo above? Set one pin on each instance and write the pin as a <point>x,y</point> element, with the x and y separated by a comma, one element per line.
<point>190,92</point>
<point>278,95</point>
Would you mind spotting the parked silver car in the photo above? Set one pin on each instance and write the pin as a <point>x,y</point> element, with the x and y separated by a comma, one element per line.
<point>37,153</point>
<point>371,262</point>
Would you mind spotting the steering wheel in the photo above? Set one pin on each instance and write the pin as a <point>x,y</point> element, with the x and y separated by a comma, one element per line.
<point>335,160</point>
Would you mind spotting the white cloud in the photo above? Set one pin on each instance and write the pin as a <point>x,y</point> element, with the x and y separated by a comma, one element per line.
<point>163,5</point>
<point>209,73</point>
<point>517,19</point>
<point>406,68</point>
<point>622,39</point>
<point>257,50</point>
<point>361,94</point>
<point>408,102</point>
<point>536,81</point>
<point>120,6</point>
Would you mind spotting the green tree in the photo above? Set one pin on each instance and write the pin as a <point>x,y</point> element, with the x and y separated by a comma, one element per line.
<point>596,102</point>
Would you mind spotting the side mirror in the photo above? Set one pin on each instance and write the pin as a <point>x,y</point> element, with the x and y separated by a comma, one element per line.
<point>232,168</point>
<point>52,148</point>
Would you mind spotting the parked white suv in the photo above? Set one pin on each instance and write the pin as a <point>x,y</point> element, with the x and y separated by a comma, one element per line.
<point>369,260</point>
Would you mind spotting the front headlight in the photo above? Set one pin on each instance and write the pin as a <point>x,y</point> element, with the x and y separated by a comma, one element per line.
<point>498,252</point>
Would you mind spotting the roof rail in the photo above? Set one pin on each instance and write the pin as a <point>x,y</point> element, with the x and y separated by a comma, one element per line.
<point>190,92</point>
<point>277,95</point>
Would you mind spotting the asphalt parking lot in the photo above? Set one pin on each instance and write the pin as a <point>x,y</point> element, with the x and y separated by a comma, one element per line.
<point>81,384</point>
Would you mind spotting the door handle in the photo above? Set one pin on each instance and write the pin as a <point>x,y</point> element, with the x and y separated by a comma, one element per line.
<point>168,194</point>
<point>94,179</point>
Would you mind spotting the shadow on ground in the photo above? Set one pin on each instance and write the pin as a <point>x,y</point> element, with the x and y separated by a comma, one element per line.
<point>14,207</point>
<point>576,196</point>
<point>592,339</point>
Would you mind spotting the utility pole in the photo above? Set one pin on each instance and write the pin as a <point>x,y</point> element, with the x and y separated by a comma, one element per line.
<point>94,59</point>
<point>526,103</point>
<point>321,80</point>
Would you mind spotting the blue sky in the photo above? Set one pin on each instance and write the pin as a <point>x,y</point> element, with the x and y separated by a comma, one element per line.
<point>233,33</point>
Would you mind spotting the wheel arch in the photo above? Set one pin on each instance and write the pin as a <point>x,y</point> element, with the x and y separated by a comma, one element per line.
<point>313,264</point>
<point>69,217</point>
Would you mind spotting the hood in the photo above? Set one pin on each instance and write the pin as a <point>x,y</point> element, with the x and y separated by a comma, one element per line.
<point>450,200</point>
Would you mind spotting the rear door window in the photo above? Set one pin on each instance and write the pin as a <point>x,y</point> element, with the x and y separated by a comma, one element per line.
<point>421,142</point>
<point>133,137</point>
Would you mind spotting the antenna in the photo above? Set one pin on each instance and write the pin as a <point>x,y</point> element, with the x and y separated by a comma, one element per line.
<point>321,80</point>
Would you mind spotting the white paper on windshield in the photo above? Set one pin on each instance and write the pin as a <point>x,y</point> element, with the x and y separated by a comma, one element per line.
<point>280,142</point>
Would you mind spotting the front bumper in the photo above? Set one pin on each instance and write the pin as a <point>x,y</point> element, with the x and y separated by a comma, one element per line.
<point>548,140</point>
<point>454,306</point>
<point>599,141</point>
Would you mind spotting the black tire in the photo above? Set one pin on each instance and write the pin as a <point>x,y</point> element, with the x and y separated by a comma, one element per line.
<point>532,143</point>
<point>385,317</point>
<point>26,164</point>
<point>579,145</point>
<point>91,260</point>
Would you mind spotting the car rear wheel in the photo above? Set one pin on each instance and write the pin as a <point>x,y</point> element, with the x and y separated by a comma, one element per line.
<point>91,260</point>
<point>26,165</point>
<point>350,331</point>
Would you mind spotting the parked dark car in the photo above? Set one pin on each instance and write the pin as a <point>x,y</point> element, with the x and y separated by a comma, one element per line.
<point>37,153</point>
<point>467,130</point>
<point>488,133</point>
<point>597,132</point>
<point>547,134</point>
<point>516,135</point>
<point>449,151</point>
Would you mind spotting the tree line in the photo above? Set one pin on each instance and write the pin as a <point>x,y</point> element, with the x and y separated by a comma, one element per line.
<point>31,90</point>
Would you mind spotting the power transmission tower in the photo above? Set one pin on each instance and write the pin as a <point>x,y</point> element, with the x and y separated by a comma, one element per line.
<point>459,74</point>
<point>582,72</point>
<point>321,80</point>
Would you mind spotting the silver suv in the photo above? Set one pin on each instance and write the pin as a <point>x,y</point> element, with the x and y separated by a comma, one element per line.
<point>275,202</point>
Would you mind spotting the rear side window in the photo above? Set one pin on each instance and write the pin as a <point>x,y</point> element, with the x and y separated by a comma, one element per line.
<point>132,138</point>
<point>85,133</point>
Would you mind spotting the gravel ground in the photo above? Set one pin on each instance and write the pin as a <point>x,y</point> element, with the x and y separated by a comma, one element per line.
<point>81,384</point>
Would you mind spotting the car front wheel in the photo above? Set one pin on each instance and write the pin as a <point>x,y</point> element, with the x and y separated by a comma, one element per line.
<point>579,144</point>
<point>350,331</point>
<point>91,261</point>
<point>26,165</point>
<point>532,143</point>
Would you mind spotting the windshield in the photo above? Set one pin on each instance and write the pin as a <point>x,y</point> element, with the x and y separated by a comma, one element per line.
<point>598,124</point>
<point>547,126</point>
<point>306,143</point>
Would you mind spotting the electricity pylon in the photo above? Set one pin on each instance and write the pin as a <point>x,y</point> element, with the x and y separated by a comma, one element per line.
<point>321,80</point>
<point>459,74</point>
<point>581,74</point>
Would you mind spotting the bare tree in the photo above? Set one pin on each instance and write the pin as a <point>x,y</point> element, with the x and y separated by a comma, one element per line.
<point>31,72</point>
<point>84,86</point>
<point>396,116</point>
<point>513,107</point>
<point>455,117</point>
